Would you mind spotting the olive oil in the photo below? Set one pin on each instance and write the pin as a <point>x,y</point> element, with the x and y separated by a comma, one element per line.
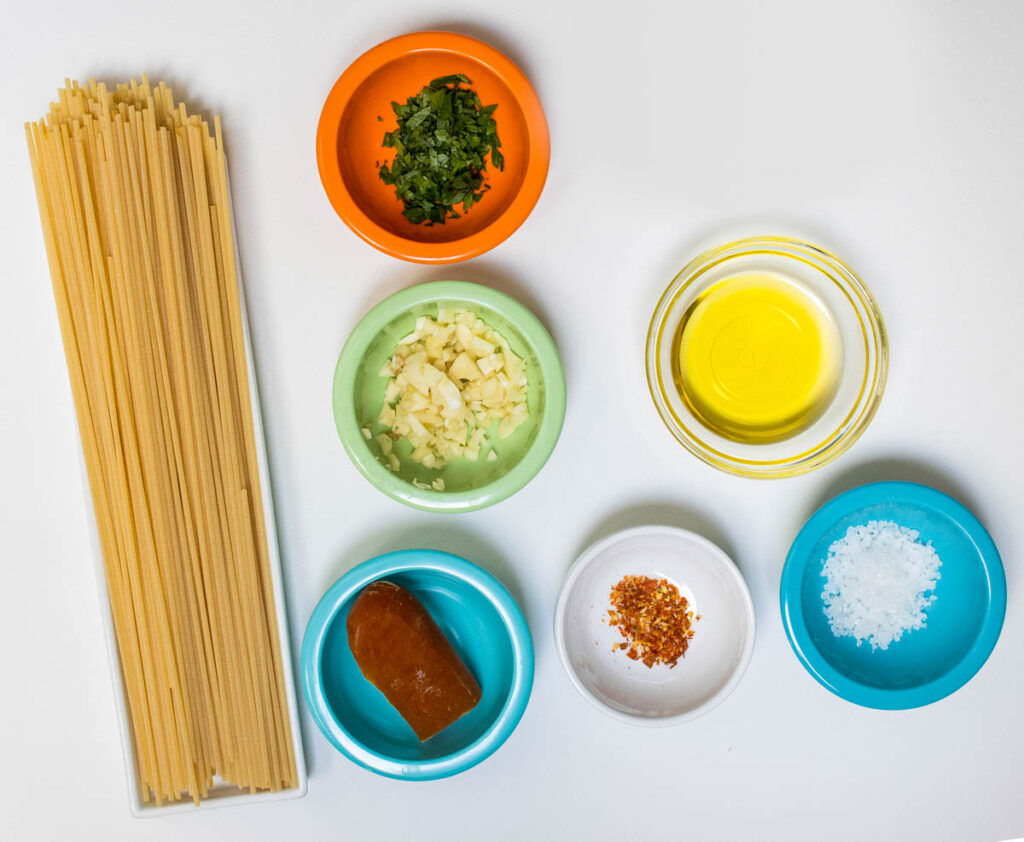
<point>758,358</point>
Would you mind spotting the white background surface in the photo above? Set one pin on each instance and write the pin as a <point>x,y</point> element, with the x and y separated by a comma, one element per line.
<point>891,132</point>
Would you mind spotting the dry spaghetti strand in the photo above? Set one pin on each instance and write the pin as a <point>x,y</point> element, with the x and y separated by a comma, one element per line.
<point>136,218</point>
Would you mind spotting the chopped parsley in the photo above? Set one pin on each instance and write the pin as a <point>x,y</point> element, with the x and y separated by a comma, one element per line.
<point>442,142</point>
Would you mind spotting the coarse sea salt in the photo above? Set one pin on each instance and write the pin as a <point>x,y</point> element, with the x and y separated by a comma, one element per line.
<point>879,579</point>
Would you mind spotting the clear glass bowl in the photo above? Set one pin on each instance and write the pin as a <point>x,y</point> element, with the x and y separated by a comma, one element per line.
<point>865,356</point>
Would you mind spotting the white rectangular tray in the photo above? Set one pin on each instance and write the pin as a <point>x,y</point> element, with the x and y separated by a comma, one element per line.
<point>221,794</point>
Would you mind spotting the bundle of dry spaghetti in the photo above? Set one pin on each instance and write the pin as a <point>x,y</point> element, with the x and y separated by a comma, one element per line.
<point>135,212</point>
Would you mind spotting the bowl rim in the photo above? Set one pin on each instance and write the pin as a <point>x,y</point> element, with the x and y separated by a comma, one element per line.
<point>716,552</point>
<point>541,345</point>
<point>341,592</point>
<point>874,334</point>
<point>791,605</point>
<point>328,130</point>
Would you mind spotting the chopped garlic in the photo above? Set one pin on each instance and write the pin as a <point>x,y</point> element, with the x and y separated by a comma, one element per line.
<point>481,346</point>
<point>464,368</point>
<point>450,394</point>
<point>450,381</point>
<point>491,363</point>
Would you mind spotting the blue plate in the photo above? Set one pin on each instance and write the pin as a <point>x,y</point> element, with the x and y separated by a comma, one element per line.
<point>962,624</point>
<point>483,623</point>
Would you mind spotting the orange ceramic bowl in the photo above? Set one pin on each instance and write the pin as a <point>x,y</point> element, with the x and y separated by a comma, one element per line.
<point>349,145</point>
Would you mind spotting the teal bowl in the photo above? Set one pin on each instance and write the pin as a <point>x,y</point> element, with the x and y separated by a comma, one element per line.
<point>358,396</point>
<point>962,625</point>
<point>484,624</point>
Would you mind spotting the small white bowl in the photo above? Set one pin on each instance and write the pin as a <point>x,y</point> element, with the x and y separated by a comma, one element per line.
<point>719,651</point>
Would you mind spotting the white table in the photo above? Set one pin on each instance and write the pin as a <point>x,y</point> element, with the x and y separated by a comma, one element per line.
<point>891,132</point>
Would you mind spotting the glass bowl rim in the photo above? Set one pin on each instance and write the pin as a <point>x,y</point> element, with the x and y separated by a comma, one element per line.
<point>873,332</point>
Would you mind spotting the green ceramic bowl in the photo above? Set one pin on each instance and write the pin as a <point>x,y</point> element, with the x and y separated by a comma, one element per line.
<point>359,395</point>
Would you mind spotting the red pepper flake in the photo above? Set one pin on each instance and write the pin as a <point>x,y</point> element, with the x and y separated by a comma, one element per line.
<point>653,617</point>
